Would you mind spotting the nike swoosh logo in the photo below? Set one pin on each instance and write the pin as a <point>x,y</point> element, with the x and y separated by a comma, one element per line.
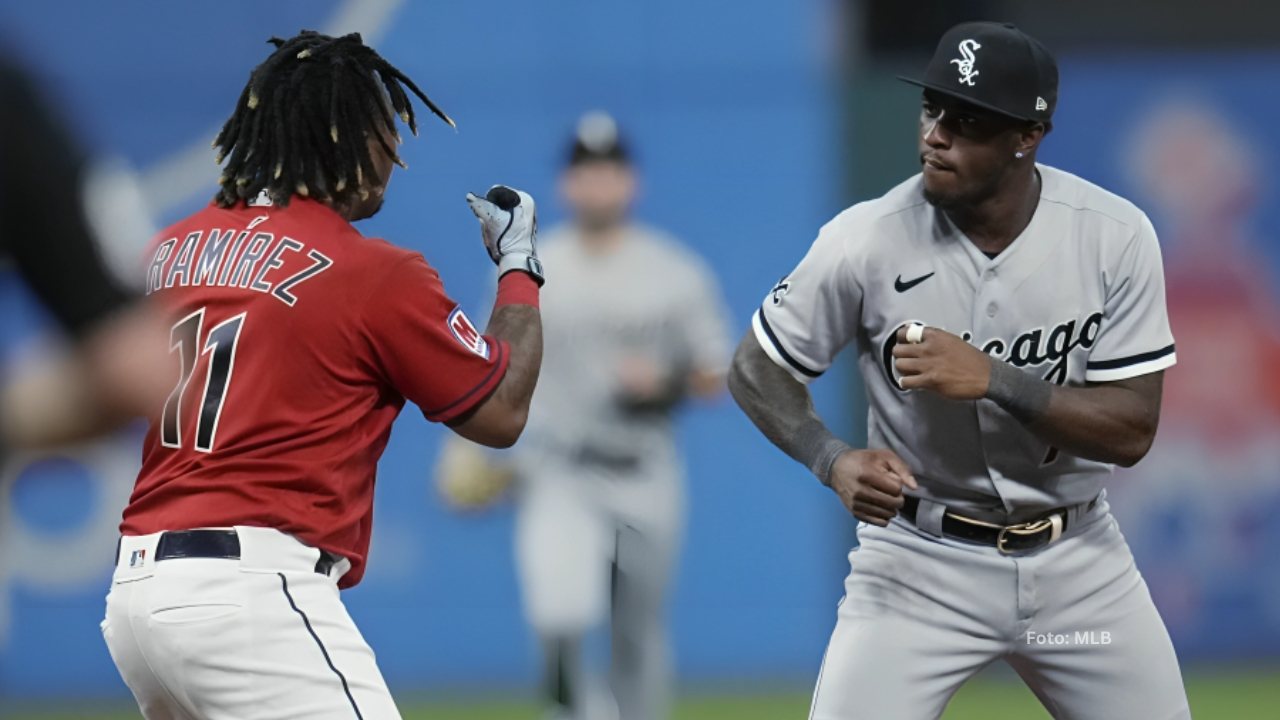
<point>901,286</point>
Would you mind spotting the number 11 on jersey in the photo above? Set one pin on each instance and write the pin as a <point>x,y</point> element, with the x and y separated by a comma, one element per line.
<point>220,345</point>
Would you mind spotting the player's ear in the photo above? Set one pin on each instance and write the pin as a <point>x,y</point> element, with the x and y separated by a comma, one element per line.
<point>1030,136</point>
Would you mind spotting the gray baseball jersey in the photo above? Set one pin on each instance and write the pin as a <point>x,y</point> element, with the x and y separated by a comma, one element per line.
<point>650,298</point>
<point>1077,298</point>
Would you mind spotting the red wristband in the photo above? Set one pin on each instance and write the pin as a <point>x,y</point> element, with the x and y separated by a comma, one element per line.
<point>516,288</point>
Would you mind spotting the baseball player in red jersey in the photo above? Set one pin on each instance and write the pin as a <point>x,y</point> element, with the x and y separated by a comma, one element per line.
<point>297,342</point>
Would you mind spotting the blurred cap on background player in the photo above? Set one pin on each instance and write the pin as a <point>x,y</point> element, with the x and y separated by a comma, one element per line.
<point>597,138</point>
<point>995,66</point>
<point>599,182</point>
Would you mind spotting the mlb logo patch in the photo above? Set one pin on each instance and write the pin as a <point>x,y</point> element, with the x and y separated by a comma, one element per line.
<point>467,334</point>
<point>137,558</point>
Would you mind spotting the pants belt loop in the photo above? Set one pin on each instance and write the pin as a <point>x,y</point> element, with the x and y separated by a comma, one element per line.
<point>929,517</point>
<point>1076,513</point>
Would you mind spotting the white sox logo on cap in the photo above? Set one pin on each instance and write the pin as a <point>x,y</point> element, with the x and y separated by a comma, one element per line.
<point>964,63</point>
<point>1018,73</point>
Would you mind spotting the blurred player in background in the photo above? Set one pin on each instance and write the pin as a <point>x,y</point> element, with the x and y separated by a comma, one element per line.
<point>116,368</point>
<point>634,325</point>
<point>298,342</point>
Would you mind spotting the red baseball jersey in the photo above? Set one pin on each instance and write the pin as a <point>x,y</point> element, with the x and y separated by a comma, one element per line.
<point>296,342</point>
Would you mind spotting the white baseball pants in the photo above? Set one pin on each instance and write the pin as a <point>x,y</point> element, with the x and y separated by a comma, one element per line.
<point>264,637</point>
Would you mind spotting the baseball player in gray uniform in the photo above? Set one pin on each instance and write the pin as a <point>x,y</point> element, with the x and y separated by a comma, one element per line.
<point>636,326</point>
<point>1010,326</point>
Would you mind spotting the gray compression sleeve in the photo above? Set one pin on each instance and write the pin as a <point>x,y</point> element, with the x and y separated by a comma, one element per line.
<point>818,448</point>
<point>1021,394</point>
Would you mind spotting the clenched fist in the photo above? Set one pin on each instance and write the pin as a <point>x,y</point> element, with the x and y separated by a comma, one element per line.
<point>943,363</point>
<point>870,482</point>
<point>509,227</point>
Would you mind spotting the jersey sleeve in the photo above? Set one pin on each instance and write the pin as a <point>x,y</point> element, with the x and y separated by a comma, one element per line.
<point>811,314</point>
<point>1134,337</point>
<point>426,347</point>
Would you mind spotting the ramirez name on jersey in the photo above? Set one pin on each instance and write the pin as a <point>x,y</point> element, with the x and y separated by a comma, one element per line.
<point>214,258</point>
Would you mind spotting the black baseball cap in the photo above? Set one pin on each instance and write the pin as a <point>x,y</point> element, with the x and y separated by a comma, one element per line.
<point>994,66</point>
<point>597,138</point>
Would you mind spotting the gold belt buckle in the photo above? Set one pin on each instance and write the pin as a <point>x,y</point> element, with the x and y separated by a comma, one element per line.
<point>1027,528</point>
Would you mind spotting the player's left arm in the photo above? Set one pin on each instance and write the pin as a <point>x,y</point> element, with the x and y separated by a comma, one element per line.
<point>1112,422</point>
<point>1111,417</point>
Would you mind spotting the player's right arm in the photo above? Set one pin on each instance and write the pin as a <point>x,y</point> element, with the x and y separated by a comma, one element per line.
<point>869,482</point>
<point>424,346</point>
<point>509,228</point>
<point>500,418</point>
<point>795,335</point>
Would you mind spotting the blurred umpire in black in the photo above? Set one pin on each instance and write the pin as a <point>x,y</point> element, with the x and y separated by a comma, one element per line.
<point>118,367</point>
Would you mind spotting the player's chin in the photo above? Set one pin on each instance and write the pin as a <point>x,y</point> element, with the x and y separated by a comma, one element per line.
<point>369,208</point>
<point>601,218</point>
<point>941,188</point>
<point>939,193</point>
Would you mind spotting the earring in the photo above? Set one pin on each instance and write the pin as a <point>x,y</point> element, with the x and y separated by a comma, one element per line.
<point>1018,154</point>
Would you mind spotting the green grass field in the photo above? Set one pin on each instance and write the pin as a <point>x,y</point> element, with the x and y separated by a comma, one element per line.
<point>1245,695</point>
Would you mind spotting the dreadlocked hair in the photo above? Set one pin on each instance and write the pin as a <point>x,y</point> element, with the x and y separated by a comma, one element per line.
<point>303,122</point>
